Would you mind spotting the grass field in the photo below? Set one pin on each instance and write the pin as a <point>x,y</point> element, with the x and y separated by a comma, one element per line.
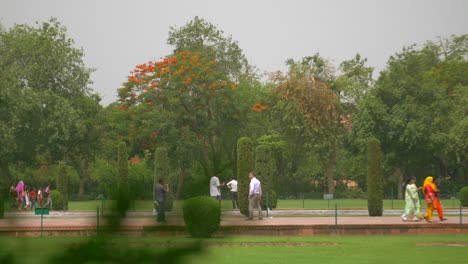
<point>282,204</point>
<point>227,250</point>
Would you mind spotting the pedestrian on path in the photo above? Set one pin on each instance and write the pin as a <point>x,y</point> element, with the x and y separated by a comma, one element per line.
<point>255,196</point>
<point>430,189</point>
<point>412,206</point>
<point>232,185</point>
<point>437,203</point>
<point>215,188</point>
<point>48,196</point>
<point>160,199</point>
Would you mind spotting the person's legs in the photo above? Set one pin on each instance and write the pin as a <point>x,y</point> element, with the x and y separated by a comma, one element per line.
<point>430,210</point>
<point>235,199</point>
<point>161,212</point>
<point>258,199</point>
<point>438,207</point>
<point>251,205</point>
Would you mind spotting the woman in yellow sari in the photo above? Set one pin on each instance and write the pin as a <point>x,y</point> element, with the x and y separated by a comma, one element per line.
<point>430,189</point>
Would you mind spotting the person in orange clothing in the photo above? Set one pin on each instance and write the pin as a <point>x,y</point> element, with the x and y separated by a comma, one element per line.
<point>429,189</point>
<point>437,203</point>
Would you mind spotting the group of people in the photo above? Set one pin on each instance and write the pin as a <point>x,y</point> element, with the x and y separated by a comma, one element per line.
<point>255,193</point>
<point>25,197</point>
<point>431,196</point>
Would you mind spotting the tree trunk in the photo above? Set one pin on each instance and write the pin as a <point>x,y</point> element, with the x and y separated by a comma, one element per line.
<point>181,181</point>
<point>399,175</point>
<point>330,167</point>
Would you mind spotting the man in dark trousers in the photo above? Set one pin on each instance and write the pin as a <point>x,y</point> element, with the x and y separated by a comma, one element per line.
<point>160,192</point>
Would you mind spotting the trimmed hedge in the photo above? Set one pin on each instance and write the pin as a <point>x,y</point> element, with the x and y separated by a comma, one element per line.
<point>374,178</point>
<point>202,216</point>
<point>58,201</point>
<point>265,169</point>
<point>161,171</point>
<point>463,196</point>
<point>123,199</point>
<point>245,164</point>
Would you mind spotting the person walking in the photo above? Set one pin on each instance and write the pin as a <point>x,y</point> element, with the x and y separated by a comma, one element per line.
<point>232,185</point>
<point>255,196</point>
<point>430,189</point>
<point>437,203</point>
<point>48,196</point>
<point>161,191</point>
<point>33,198</point>
<point>412,206</point>
<point>215,188</point>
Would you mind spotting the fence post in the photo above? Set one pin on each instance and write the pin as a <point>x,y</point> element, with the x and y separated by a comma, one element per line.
<point>336,219</point>
<point>97,218</point>
<point>267,207</point>
<point>461,218</point>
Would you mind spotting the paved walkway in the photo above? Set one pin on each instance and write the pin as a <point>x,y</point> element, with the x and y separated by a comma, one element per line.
<point>137,220</point>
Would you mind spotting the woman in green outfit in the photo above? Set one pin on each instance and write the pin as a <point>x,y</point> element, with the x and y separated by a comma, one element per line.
<point>412,207</point>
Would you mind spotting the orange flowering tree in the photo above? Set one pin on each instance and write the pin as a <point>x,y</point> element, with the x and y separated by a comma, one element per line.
<point>184,101</point>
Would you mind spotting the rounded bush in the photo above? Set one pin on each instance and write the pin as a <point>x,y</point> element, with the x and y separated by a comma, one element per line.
<point>463,196</point>
<point>202,216</point>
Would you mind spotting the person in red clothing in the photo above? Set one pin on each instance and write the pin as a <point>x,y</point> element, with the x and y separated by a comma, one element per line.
<point>437,203</point>
<point>33,198</point>
<point>430,189</point>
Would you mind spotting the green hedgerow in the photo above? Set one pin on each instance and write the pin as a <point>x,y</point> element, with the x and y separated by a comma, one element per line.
<point>202,216</point>
<point>463,196</point>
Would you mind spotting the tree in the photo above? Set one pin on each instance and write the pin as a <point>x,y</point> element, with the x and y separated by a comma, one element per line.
<point>123,198</point>
<point>62,183</point>
<point>415,109</point>
<point>162,171</point>
<point>374,178</point>
<point>43,82</point>
<point>306,94</point>
<point>185,92</point>
<point>245,164</point>
<point>202,37</point>
<point>265,169</point>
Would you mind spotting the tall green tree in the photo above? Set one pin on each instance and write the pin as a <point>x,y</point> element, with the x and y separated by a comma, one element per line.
<point>265,169</point>
<point>44,81</point>
<point>123,198</point>
<point>417,109</point>
<point>374,178</point>
<point>306,96</point>
<point>162,171</point>
<point>245,164</point>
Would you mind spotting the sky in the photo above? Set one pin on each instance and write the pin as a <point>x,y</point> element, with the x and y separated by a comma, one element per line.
<point>116,35</point>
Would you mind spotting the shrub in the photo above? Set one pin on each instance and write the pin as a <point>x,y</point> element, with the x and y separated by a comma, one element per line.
<point>202,216</point>
<point>245,164</point>
<point>463,196</point>
<point>58,201</point>
<point>265,169</point>
<point>374,178</point>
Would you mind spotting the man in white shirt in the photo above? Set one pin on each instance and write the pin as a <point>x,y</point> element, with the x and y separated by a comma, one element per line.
<point>255,196</point>
<point>215,188</point>
<point>232,185</point>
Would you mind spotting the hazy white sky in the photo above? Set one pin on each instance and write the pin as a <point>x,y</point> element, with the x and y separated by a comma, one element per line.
<point>116,35</point>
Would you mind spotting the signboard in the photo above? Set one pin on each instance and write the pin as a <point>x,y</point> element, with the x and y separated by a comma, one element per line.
<point>328,196</point>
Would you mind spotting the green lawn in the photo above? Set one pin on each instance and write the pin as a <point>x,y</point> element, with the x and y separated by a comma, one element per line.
<point>245,249</point>
<point>282,204</point>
